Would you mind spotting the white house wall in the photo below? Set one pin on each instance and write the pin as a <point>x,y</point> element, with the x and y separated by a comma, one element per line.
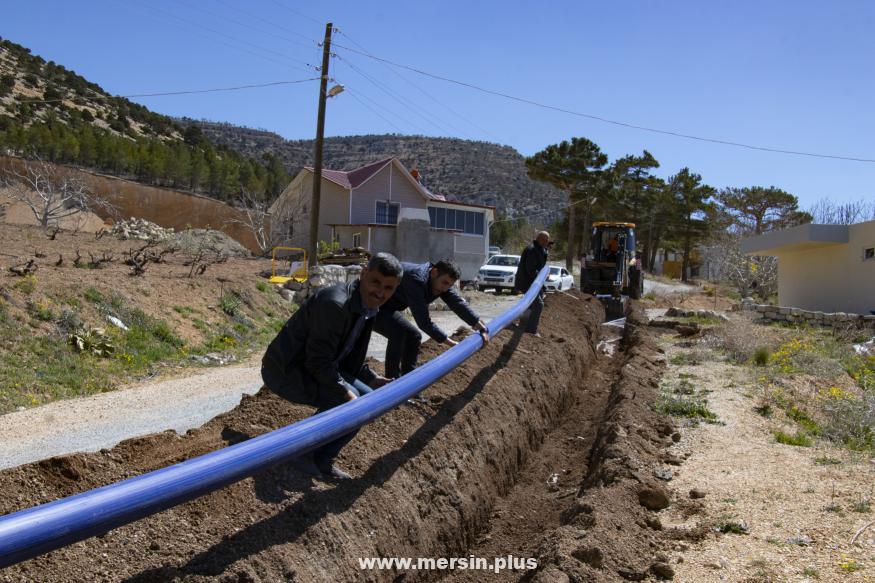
<point>404,191</point>
<point>861,293</point>
<point>377,187</point>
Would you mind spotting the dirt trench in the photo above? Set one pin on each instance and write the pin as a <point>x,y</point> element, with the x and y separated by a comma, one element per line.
<point>433,479</point>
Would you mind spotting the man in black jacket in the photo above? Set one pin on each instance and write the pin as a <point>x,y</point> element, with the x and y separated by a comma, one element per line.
<point>421,285</point>
<point>533,259</point>
<point>318,358</point>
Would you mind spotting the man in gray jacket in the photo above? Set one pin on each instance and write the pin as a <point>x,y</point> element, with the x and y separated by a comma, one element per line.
<point>318,358</point>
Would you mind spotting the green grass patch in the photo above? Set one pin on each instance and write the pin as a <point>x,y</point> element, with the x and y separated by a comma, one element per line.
<point>230,303</point>
<point>262,286</point>
<point>93,296</point>
<point>26,284</point>
<point>827,461</point>
<point>732,527</point>
<point>799,439</point>
<point>764,411</point>
<point>803,420</point>
<point>681,406</point>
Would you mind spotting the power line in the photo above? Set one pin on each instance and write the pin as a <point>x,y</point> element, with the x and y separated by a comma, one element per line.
<point>301,14</point>
<point>375,84</point>
<point>233,38</point>
<point>382,87</point>
<point>424,92</point>
<point>390,112</point>
<point>190,92</point>
<point>562,208</point>
<point>374,111</point>
<point>311,45</point>
<point>428,95</point>
<point>604,119</point>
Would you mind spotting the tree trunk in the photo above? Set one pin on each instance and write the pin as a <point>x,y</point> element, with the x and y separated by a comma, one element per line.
<point>685,264</point>
<point>587,230</point>
<point>572,231</point>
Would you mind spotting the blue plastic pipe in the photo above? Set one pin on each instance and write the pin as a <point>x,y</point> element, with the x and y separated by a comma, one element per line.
<point>34,531</point>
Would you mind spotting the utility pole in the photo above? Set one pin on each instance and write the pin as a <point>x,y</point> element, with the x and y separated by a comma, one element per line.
<point>317,156</point>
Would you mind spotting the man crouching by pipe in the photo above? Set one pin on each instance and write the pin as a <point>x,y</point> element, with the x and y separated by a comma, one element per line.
<point>318,358</point>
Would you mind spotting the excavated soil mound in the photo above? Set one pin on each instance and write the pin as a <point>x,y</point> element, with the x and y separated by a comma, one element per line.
<point>428,476</point>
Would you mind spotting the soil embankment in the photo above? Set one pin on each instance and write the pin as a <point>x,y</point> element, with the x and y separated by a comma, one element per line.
<point>429,480</point>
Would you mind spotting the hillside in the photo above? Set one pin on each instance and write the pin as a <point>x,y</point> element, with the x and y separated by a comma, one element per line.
<point>49,111</point>
<point>475,172</point>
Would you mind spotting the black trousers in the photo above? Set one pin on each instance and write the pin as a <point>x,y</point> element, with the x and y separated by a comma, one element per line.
<point>402,350</point>
<point>282,386</point>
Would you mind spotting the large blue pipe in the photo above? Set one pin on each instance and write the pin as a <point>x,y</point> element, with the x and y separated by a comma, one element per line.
<point>34,531</point>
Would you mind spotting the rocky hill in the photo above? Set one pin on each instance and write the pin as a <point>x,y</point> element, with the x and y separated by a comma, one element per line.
<point>475,172</point>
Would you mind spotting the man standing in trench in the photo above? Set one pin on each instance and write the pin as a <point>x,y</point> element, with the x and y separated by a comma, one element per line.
<point>318,358</point>
<point>532,261</point>
<point>421,285</point>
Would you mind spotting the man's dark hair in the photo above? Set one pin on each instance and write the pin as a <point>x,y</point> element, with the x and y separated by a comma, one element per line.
<point>447,267</point>
<point>386,264</point>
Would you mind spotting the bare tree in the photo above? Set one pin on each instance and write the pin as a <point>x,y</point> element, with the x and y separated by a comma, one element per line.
<point>256,219</point>
<point>828,212</point>
<point>268,229</point>
<point>750,275</point>
<point>52,193</point>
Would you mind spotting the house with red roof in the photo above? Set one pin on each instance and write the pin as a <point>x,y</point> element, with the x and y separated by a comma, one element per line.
<point>383,206</point>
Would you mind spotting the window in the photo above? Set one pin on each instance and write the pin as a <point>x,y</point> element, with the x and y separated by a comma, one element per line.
<point>356,239</point>
<point>470,222</point>
<point>387,212</point>
<point>868,253</point>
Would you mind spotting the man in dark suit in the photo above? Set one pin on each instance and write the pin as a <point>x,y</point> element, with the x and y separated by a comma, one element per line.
<point>533,259</point>
<point>318,358</point>
<point>421,285</point>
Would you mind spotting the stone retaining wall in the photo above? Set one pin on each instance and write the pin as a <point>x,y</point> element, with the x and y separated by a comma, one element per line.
<point>799,316</point>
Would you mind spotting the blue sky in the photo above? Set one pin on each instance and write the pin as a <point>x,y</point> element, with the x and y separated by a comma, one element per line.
<point>792,75</point>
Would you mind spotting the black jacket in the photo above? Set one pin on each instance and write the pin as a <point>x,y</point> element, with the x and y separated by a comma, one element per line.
<point>305,350</point>
<point>532,261</point>
<point>414,292</point>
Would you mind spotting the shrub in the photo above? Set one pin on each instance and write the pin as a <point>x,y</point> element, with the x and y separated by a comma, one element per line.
<point>761,356</point>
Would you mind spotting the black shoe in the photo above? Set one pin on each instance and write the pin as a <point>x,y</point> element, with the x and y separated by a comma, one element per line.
<point>305,465</point>
<point>330,470</point>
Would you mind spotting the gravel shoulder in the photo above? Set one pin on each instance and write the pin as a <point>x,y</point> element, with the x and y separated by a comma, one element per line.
<point>801,506</point>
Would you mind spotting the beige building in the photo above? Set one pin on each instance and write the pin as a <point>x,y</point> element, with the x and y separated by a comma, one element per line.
<point>827,268</point>
<point>384,207</point>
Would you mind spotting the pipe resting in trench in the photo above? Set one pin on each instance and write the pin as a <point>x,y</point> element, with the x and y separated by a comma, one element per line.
<point>31,532</point>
